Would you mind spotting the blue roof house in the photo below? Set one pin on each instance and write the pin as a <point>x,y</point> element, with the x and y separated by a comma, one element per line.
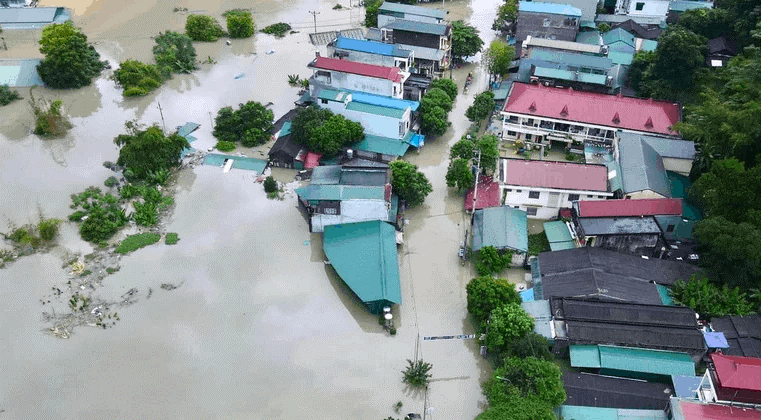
<point>371,52</point>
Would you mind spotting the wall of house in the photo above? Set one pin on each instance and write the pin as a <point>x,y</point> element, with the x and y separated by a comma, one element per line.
<point>378,125</point>
<point>681,166</point>
<point>549,26</point>
<point>416,38</point>
<point>550,129</point>
<point>361,57</point>
<point>352,211</point>
<point>549,201</point>
<point>340,80</point>
<point>643,8</point>
<point>644,194</point>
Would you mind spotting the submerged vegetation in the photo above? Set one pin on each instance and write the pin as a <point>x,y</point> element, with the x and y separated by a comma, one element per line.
<point>240,24</point>
<point>138,241</point>
<point>203,28</point>
<point>7,95</point>
<point>278,29</point>
<point>139,79</point>
<point>49,121</point>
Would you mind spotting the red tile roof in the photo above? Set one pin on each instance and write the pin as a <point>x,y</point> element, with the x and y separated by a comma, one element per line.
<point>558,175</point>
<point>737,372</point>
<point>362,69</point>
<point>700,411</point>
<point>645,115</point>
<point>631,208</point>
<point>488,194</point>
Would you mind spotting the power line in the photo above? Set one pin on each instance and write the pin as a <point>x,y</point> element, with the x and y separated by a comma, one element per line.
<point>314,14</point>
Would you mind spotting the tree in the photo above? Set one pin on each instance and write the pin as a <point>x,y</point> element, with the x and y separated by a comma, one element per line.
<point>641,63</point>
<point>334,134</point>
<point>506,15</point>
<point>489,147</point>
<point>408,183</point>
<point>679,54</point>
<point>250,124</point>
<point>144,152</point>
<point>460,175</point>
<point>138,79</point>
<point>371,12</point>
<point>240,24</point>
<point>465,40</point>
<point>532,345</point>
<point>462,149</point>
<point>708,23</point>
<point>519,409</point>
<point>7,95</point>
<point>730,191</point>
<point>486,294</point>
<point>483,106</point>
<point>175,51</point>
<point>69,62</point>
<point>507,324</point>
<point>436,98</point>
<point>526,378</point>
<point>448,86</point>
<point>743,16</point>
<point>710,300</point>
<point>603,27</point>
<point>489,260</point>
<point>306,121</point>
<point>433,121</point>
<point>203,28</point>
<point>498,57</point>
<point>270,184</point>
<point>416,374</point>
<point>730,252</point>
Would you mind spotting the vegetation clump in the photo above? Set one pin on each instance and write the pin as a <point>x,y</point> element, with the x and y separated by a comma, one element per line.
<point>538,243</point>
<point>321,131</point>
<point>409,183</point>
<point>171,238</point>
<point>490,260</point>
<point>139,79</point>
<point>371,12</point>
<point>203,28</point>
<point>101,215</point>
<point>225,146</point>
<point>48,228</point>
<point>111,181</point>
<point>710,300</point>
<point>250,124</point>
<point>137,241</point>
<point>416,375</point>
<point>434,109</point>
<point>483,106</point>
<point>174,53</point>
<point>148,154</point>
<point>270,185</point>
<point>69,62</point>
<point>486,294</point>
<point>448,86</point>
<point>278,29</point>
<point>49,120</point>
<point>240,24</point>
<point>7,95</point>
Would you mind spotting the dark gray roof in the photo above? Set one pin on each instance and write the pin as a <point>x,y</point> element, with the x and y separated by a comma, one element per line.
<point>599,285</point>
<point>649,337</point>
<point>421,27</point>
<point>645,32</point>
<point>743,334</point>
<point>667,148</point>
<point>611,262</point>
<point>624,313</point>
<point>722,44</point>
<point>642,168</point>
<point>593,226</point>
<point>590,390</point>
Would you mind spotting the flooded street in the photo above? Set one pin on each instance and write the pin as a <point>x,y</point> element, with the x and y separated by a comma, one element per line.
<point>259,326</point>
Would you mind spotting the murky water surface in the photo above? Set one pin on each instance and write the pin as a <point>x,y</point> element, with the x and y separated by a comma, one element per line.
<point>260,327</point>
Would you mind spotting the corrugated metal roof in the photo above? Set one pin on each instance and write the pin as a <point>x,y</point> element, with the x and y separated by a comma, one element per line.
<point>326,175</point>
<point>743,333</point>
<point>557,175</point>
<point>412,10</point>
<point>239,162</point>
<point>425,53</point>
<point>375,109</point>
<point>671,148</point>
<point>372,47</point>
<point>571,58</point>
<point>561,45</point>
<point>340,192</point>
<point>686,385</point>
<point>648,45</point>
<point>20,73</point>
<point>693,410</point>
<point>642,169</point>
<point>618,35</point>
<point>420,27</point>
<point>489,194</point>
<point>389,102</point>
<point>364,256</point>
<point>618,57</point>
<point>576,412</point>
<point>737,372</point>
<point>593,108</point>
<point>630,208</point>
<point>715,340</point>
<point>658,362</point>
<point>596,79</point>
<point>384,145</point>
<point>683,5</point>
<point>500,227</point>
<point>362,69</point>
<point>558,235</point>
<point>540,311</point>
<point>21,15</point>
<point>331,95</point>
<point>585,355</point>
<point>590,390</point>
<point>549,8</point>
<point>589,37</point>
<point>595,226</point>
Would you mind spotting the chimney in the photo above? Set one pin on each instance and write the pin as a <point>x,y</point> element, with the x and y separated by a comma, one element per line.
<point>316,54</point>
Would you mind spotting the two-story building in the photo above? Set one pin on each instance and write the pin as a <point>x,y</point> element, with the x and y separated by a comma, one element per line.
<point>538,114</point>
<point>547,20</point>
<point>542,188</point>
<point>431,43</point>
<point>389,12</point>
<point>371,52</point>
<point>576,70</point>
<point>334,73</point>
<point>643,8</point>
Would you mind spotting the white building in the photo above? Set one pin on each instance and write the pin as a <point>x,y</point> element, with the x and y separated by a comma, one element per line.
<point>385,117</point>
<point>339,74</point>
<point>371,52</point>
<point>542,188</point>
<point>643,8</point>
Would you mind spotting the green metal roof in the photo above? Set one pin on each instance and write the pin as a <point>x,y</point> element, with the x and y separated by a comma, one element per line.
<point>576,412</point>
<point>649,45</point>
<point>679,185</point>
<point>618,35</point>
<point>20,73</point>
<point>364,256</point>
<point>618,57</point>
<point>558,236</point>
<point>598,79</point>
<point>326,175</point>
<point>340,192</point>
<point>589,37</point>
<point>239,162</point>
<point>500,227</point>
<point>665,295</point>
<point>375,109</point>
<point>285,129</point>
<point>630,359</point>
<point>384,145</point>
<point>332,95</point>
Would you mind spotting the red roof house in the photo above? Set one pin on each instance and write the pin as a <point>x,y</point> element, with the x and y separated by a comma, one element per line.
<point>556,175</point>
<point>353,67</point>
<point>488,194</point>
<point>312,160</point>
<point>693,410</point>
<point>617,111</point>
<point>737,378</point>
<point>631,208</point>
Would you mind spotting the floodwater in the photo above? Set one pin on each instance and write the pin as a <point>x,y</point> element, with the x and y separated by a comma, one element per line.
<point>260,327</point>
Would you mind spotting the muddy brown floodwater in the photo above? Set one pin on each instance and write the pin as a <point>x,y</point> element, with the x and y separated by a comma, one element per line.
<point>259,327</point>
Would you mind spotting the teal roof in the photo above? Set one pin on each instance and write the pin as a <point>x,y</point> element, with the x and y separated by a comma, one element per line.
<point>597,79</point>
<point>364,256</point>
<point>501,93</point>
<point>665,295</point>
<point>412,10</point>
<point>679,185</point>
<point>576,412</point>
<point>558,235</point>
<point>549,8</point>
<point>680,6</point>
<point>20,73</point>
<point>384,145</point>
<point>285,129</point>
<point>188,128</point>
<point>618,35</point>
<point>589,37</point>
<point>630,359</point>
<point>618,57</point>
<point>589,24</point>
<point>326,175</point>
<point>500,227</point>
<point>340,192</point>
<point>649,45</point>
<point>332,95</point>
<point>376,109</point>
<point>239,162</point>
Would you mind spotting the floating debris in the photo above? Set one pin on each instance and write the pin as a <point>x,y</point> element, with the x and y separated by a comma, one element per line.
<point>170,286</point>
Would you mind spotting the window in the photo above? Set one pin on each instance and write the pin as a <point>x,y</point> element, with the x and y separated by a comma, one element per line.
<point>590,196</point>
<point>670,228</point>
<point>640,6</point>
<point>533,194</point>
<point>531,211</point>
<point>518,190</point>
<point>528,136</point>
<point>602,197</point>
<point>331,211</point>
<point>573,197</point>
<point>511,133</point>
<point>402,128</point>
<point>509,189</point>
<point>324,101</point>
<point>325,74</point>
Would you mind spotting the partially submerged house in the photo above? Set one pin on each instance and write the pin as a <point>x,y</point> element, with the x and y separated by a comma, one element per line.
<point>364,256</point>
<point>743,334</point>
<point>547,20</point>
<point>337,74</point>
<point>590,390</point>
<point>720,51</point>
<point>371,52</point>
<point>577,412</point>
<point>431,43</point>
<point>32,17</point>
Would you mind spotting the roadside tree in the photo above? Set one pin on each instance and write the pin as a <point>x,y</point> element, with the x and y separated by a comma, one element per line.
<point>436,98</point>
<point>433,121</point>
<point>460,175</point>
<point>506,15</point>
<point>526,378</point>
<point>489,147</point>
<point>408,183</point>
<point>506,324</point>
<point>498,57</point>
<point>69,62</point>
<point>465,40</point>
<point>489,260</point>
<point>483,106</point>
<point>250,124</point>
<point>462,149</point>
<point>448,86</point>
<point>486,294</point>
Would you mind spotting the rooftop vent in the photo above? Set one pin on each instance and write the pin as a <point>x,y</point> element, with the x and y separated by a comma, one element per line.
<point>532,107</point>
<point>616,118</point>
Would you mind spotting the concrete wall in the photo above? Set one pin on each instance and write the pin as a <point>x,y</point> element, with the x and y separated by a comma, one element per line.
<point>681,166</point>
<point>547,26</point>
<point>644,194</point>
<point>352,211</point>
<point>549,202</point>
<point>370,58</point>
<point>378,125</point>
<point>339,80</point>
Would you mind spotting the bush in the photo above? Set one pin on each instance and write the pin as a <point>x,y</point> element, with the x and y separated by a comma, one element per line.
<point>416,374</point>
<point>128,191</point>
<point>77,216</point>
<point>486,294</point>
<point>538,243</point>
<point>175,52</point>
<point>171,238</point>
<point>278,29</point>
<point>145,153</point>
<point>448,86</point>
<point>50,122</point>
<point>7,95</point>
<point>104,215</point>
<point>270,185</point>
<point>48,229</point>
<point>138,78</point>
<point>525,378</point>
<point>240,24</point>
<point>225,146</point>
<point>490,261</point>
<point>203,28</point>
<point>250,124</point>
<point>507,324</point>
<point>138,241</point>
<point>146,214</point>
<point>111,181</point>
<point>710,300</point>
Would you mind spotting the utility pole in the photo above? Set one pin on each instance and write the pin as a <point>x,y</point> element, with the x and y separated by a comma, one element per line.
<point>477,156</point>
<point>162,118</point>
<point>314,14</point>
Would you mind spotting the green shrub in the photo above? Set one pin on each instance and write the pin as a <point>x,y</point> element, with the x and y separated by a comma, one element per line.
<point>138,241</point>
<point>538,243</point>
<point>146,214</point>
<point>416,374</point>
<point>111,181</point>
<point>48,228</point>
<point>490,260</point>
<point>278,29</point>
<point>77,216</point>
<point>7,96</point>
<point>225,146</point>
<point>175,52</point>
<point>240,24</point>
<point>128,191</point>
<point>203,28</point>
<point>709,299</point>
<point>270,185</point>
<point>138,78</point>
<point>165,203</point>
<point>171,238</point>
<point>50,122</point>
<point>18,235</point>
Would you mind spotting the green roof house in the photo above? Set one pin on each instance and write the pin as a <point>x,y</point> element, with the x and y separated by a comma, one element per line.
<point>501,227</point>
<point>632,362</point>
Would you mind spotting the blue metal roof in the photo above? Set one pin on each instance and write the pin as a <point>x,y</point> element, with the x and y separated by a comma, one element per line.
<point>618,35</point>
<point>570,59</point>
<point>20,73</point>
<point>642,169</point>
<point>371,47</point>
<point>549,8</point>
<point>388,102</point>
<point>716,340</point>
<point>686,386</point>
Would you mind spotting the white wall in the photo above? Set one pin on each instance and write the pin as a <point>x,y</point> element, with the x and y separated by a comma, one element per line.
<point>352,211</point>
<point>681,166</point>
<point>339,80</point>
<point>549,202</point>
<point>383,20</point>
<point>644,194</point>
<point>650,8</point>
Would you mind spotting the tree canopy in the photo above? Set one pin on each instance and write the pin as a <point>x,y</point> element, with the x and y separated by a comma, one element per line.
<point>144,152</point>
<point>490,261</point>
<point>465,40</point>
<point>175,51</point>
<point>526,378</point>
<point>69,61</point>
<point>436,98</point>
<point>731,191</point>
<point>462,149</point>
<point>408,183</point>
<point>506,15</point>
<point>203,28</point>
<point>323,132</point>
<point>498,57</point>
<point>486,294</point>
<point>433,121</point>
<point>673,69</point>
<point>507,324</point>
<point>483,106</point>
<point>371,12</point>
<point>138,79</point>
<point>730,252</point>
<point>460,175</point>
<point>489,147</point>
<point>519,409</point>
<point>532,345</point>
<point>709,299</point>
<point>448,86</point>
<point>240,24</point>
<point>250,124</point>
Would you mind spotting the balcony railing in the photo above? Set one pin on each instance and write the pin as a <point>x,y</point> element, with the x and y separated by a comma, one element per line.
<point>562,135</point>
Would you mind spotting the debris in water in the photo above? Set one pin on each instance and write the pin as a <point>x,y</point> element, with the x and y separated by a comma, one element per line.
<point>270,52</point>
<point>306,242</point>
<point>240,76</point>
<point>170,286</point>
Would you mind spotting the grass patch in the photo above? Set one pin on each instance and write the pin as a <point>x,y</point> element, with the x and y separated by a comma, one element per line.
<point>171,238</point>
<point>538,243</point>
<point>138,241</point>
<point>111,270</point>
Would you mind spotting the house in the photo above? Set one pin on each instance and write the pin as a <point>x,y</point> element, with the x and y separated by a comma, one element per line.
<point>590,390</point>
<point>542,188</point>
<point>486,194</point>
<point>504,228</point>
<point>547,20</point>
<point>345,194</point>
<point>577,70</point>
<point>576,412</point>
<point>285,151</point>
<point>720,51</point>
<point>631,362</point>
<point>565,46</point>
<point>743,334</point>
<point>643,8</point>
<point>20,17</point>
<point>559,235</point>
<point>677,7</point>
<point>337,74</point>
<point>431,43</point>
<point>677,155</point>
<point>735,379</point>
<point>364,255</point>
<point>643,31</point>
<point>388,12</point>
<point>682,409</point>
<point>371,52</point>
<point>538,114</point>
<point>585,321</point>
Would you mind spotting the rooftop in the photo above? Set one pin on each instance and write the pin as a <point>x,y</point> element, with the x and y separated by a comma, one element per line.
<point>372,47</point>
<point>632,359</point>
<point>376,110</point>
<point>595,284</point>
<point>618,35</point>
<point>576,412</point>
<point>362,69</point>
<point>340,192</point>
<point>501,227</point>
<point>619,226</point>
<point>743,333</point>
<point>383,145</point>
<point>692,410</point>
<point>389,102</point>
<point>667,148</point>
<point>561,45</point>
<point>558,235</point>
<point>412,10</point>
<point>556,175</point>
<point>646,115</point>
<point>488,194</point>
<point>586,389</point>
<point>684,5</point>
<point>549,8</point>
<point>737,372</point>
<point>440,29</point>
<point>630,208</point>
<point>642,169</point>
